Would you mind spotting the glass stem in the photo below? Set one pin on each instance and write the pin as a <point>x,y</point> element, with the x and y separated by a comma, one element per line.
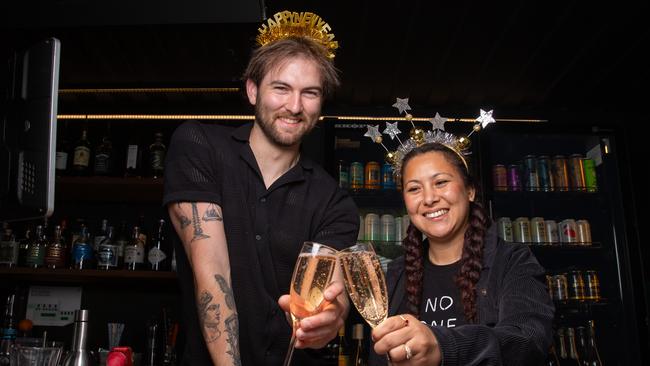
<point>292,343</point>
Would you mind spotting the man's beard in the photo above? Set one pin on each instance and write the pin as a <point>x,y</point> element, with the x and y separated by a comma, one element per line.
<point>274,135</point>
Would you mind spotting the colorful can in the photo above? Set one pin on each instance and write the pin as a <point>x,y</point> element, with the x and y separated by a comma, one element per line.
<point>544,173</point>
<point>505,229</point>
<point>521,230</point>
<point>576,173</point>
<point>537,230</point>
<point>499,177</point>
<point>399,230</point>
<point>576,286</point>
<point>531,177</point>
<point>559,288</point>
<point>514,178</point>
<point>560,173</point>
<point>356,175</point>
<point>589,167</point>
<point>568,230</point>
<point>583,232</point>
<point>387,227</point>
<point>344,174</point>
<point>387,177</point>
<point>372,227</point>
<point>372,175</point>
<point>592,286</point>
<point>550,227</point>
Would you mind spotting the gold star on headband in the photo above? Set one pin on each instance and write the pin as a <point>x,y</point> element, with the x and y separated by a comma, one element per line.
<point>402,105</point>
<point>286,24</point>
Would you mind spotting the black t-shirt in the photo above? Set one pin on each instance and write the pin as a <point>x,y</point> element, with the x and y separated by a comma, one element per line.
<point>265,229</point>
<point>441,301</point>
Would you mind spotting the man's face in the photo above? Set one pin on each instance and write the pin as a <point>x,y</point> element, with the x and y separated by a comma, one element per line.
<point>287,101</point>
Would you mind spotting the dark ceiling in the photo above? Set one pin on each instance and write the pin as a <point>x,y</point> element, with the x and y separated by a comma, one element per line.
<point>524,58</point>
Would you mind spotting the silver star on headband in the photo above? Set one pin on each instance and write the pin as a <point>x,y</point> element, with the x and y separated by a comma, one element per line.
<point>392,130</point>
<point>485,118</point>
<point>402,105</point>
<point>373,132</point>
<point>438,122</point>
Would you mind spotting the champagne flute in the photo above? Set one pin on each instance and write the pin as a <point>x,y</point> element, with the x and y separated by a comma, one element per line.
<point>311,275</point>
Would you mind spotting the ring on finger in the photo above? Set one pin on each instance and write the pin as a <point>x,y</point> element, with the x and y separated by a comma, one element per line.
<point>407,349</point>
<point>406,321</point>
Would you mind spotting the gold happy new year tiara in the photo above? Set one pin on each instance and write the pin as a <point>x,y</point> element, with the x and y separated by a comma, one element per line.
<point>418,137</point>
<point>286,24</point>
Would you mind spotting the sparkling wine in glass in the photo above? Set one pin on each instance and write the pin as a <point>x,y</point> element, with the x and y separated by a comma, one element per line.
<point>365,282</point>
<point>311,275</point>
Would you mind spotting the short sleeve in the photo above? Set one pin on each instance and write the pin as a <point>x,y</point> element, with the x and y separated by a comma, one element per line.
<point>193,166</point>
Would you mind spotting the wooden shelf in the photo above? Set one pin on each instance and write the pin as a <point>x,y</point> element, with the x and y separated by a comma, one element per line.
<point>45,275</point>
<point>109,189</point>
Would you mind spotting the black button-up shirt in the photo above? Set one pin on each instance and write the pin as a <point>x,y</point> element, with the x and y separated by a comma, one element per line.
<point>265,229</point>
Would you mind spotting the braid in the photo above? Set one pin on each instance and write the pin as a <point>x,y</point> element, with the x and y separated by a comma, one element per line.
<point>414,267</point>
<point>470,265</point>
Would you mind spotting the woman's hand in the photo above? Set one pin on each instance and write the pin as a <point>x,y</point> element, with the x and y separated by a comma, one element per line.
<point>407,341</point>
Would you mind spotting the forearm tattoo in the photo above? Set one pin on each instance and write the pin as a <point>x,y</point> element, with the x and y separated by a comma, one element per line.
<point>227,292</point>
<point>209,317</point>
<point>232,331</point>
<point>196,222</point>
<point>211,214</point>
<point>182,218</point>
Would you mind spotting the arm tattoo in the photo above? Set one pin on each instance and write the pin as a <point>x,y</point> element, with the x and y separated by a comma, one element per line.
<point>232,330</point>
<point>198,231</point>
<point>211,214</point>
<point>209,317</point>
<point>183,219</point>
<point>227,291</point>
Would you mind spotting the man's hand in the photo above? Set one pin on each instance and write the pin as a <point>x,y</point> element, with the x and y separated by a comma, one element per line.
<point>317,330</point>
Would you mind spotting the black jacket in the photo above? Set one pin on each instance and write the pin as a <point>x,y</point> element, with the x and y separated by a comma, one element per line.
<point>515,311</point>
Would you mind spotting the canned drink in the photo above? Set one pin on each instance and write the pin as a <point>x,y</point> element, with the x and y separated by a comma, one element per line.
<point>589,167</point>
<point>387,227</point>
<point>499,177</point>
<point>538,230</point>
<point>560,173</point>
<point>576,173</point>
<point>505,229</point>
<point>372,227</point>
<point>356,175</point>
<point>514,178</point>
<point>550,227</point>
<point>576,286</point>
<point>583,232</point>
<point>546,183</point>
<point>387,176</point>
<point>521,230</point>
<point>372,175</point>
<point>399,230</point>
<point>344,174</point>
<point>362,229</point>
<point>568,230</point>
<point>531,178</point>
<point>559,287</point>
<point>592,286</point>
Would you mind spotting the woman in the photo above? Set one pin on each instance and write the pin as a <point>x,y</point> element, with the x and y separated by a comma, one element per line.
<point>464,296</point>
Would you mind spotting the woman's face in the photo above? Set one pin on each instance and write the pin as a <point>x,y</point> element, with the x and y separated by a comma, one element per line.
<point>436,197</point>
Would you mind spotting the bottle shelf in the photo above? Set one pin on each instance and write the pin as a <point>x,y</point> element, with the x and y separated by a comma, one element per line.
<point>109,189</point>
<point>64,275</point>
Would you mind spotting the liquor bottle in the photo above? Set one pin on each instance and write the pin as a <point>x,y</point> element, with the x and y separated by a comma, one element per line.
<point>79,354</point>
<point>133,167</point>
<point>154,348</point>
<point>344,349</point>
<point>100,234</point>
<point>104,155</point>
<point>157,152</point>
<point>23,247</point>
<point>134,252</point>
<point>82,251</point>
<point>82,153</point>
<point>56,254</point>
<point>62,152</point>
<point>561,343</point>
<point>359,354</point>
<point>8,333</point>
<point>8,247</point>
<point>36,249</point>
<point>107,252</point>
<point>573,349</point>
<point>158,256</point>
<point>121,241</point>
<point>590,355</point>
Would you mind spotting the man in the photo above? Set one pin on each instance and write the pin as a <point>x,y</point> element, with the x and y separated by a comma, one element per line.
<point>243,202</point>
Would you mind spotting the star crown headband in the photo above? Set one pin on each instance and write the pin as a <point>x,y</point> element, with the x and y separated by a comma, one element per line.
<point>418,136</point>
<point>286,24</point>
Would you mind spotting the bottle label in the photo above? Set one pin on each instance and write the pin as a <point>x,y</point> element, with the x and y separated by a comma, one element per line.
<point>121,244</point>
<point>158,160</point>
<point>156,255</point>
<point>8,253</point>
<point>107,256</point>
<point>61,160</point>
<point>102,163</point>
<point>81,252</point>
<point>35,255</point>
<point>132,157</point>
<point>134,254</point>
<point>81,156</point>
<point>55,256</point>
